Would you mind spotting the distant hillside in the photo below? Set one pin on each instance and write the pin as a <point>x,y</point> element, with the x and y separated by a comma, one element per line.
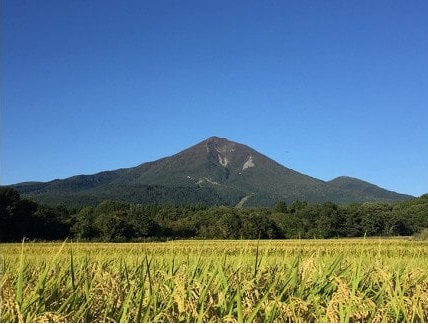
<point>366,188</point>
<point>214,171</point>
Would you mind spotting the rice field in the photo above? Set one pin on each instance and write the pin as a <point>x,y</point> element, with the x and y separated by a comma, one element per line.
<point>341,280</point>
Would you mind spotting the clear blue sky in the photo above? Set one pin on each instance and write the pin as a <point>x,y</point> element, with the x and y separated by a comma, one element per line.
<point>327,88</point>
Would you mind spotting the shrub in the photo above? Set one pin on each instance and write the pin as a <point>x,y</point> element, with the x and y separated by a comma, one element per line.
<point>421,235</point>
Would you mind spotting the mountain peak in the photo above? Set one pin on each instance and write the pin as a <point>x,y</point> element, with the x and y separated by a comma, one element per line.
<point>216,139</point>
<point>230,154</point>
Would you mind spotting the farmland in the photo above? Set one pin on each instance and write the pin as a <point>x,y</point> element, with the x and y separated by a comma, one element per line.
<point>370,280</point>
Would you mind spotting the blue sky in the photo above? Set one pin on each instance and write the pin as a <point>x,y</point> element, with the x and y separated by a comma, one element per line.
<point>327,88</point>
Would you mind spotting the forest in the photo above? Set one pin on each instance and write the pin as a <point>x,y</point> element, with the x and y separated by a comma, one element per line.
<point>118,221</point>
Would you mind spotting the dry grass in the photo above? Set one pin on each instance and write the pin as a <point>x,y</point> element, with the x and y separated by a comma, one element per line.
<point>367,280</point>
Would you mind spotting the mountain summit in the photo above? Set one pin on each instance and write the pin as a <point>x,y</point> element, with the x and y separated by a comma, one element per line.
<point>214,171</point>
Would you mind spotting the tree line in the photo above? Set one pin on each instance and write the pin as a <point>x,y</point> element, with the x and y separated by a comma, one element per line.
<point>117,221</point>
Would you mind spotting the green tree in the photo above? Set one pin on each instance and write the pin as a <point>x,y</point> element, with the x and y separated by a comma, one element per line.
<point>413,213</point>
<point>229,223</point>
<point>291,226</point>
<point>352,221</point>
<point>329,220</point>
<point>141,220</point>
<point>298,205</point>
<point>112,223</point>
<point>281,207</point>
<point>46,223</point>
<point>374,218</point>
<point>256,224</point>
<point>9,198</point>
<point>84,226</point>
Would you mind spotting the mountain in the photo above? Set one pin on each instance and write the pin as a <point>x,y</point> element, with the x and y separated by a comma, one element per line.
<point>364,188</point>
<point>214,171</point>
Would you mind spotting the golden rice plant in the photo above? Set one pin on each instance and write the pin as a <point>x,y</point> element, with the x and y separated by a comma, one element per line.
<point>343,280</point>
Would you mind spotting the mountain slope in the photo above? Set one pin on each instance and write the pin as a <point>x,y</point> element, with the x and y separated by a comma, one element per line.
<point>214,171</point>
<point>364,188</point>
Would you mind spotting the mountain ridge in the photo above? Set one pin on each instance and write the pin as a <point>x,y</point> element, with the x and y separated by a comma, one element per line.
<point>355,184</point>
<point>213,171</point>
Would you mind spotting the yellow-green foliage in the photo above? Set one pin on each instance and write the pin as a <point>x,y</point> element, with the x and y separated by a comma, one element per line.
<point>370,280</point>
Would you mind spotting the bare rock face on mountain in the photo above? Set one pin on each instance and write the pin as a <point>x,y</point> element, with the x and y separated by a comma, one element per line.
<point>214,171</point>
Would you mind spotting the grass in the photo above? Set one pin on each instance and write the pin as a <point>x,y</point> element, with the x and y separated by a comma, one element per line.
<point>344,280</point>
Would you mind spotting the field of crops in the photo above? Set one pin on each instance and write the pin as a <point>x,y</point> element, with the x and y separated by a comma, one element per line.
<point>370,280</point>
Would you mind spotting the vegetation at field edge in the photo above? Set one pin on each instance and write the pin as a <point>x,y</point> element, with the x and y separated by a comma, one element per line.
<point>118,221</point>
